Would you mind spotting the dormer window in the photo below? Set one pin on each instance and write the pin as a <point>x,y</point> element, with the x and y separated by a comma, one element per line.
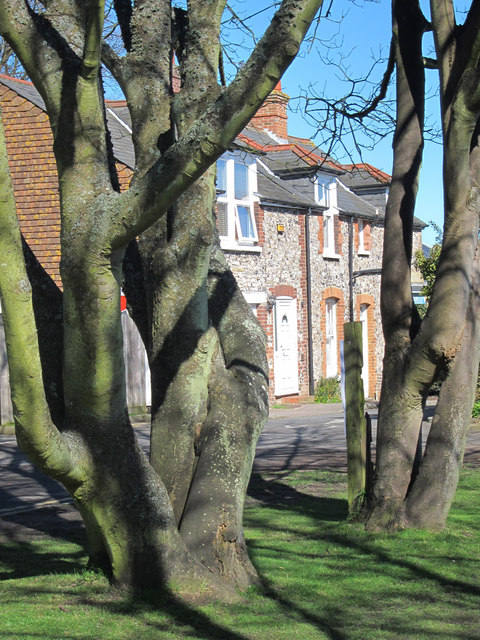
<point>324,188</point>
<point>236,183</point>
<point>326,196</point>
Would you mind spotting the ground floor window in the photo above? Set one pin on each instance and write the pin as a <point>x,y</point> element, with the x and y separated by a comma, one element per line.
<point>331,337</point>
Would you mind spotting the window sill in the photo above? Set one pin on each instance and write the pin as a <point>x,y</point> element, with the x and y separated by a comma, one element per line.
<point>228,245</point>
<point>364,253</point>
<point>332,256</point>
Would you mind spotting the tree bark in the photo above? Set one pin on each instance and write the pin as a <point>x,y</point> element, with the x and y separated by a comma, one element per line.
<point>447,340</point>
<point>206,349</point>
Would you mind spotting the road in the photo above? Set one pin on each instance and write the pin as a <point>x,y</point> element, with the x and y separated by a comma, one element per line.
<point>310,436</point>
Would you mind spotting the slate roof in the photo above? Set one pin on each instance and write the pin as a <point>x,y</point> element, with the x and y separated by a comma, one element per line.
<point>352,204</point>
<point>291,156</point>
<point>24,89</point>
<point>118,121</point>
<point>364,175</point>
<point>295,156</point>
<point>273,190</point>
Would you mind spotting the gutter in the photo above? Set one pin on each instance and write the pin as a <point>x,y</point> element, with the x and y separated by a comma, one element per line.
<point>311,381</point>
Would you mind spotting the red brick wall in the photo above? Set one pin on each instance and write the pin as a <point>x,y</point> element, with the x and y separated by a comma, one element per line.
<point>259,221</point>
<point>338,235</point>
<point>320,234</point>
<point>34,176</point>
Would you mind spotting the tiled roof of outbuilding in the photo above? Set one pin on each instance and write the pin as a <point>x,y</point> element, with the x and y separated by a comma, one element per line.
<point>365,175</point>
<point>24,89</point>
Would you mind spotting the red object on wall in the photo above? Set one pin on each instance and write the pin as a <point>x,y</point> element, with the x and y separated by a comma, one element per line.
<point>123,303</point>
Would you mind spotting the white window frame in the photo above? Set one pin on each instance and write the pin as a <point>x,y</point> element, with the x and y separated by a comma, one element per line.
<point>322,191</point>
<point>234,238</point>
<point>326,196</point>
<point>361,238</point>
<point>365,348</point>
<point>254,299</point>
<point>328,233</point>
<point>331,338</point>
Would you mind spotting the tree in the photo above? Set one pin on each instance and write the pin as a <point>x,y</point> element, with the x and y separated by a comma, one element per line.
<point>178,517</point>
<point>443,346</point>
<point>447,341</point>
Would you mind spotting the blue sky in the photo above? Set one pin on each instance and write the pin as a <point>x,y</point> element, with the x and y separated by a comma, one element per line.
<point>362,31</point>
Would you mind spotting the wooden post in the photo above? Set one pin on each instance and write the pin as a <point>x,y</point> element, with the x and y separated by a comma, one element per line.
<point>355,421</point>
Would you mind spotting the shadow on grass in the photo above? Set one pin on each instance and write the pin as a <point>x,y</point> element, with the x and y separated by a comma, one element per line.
<point>276,493</point>
<point>330,514</point>
<point>332,616</point>
<point>24,556</point>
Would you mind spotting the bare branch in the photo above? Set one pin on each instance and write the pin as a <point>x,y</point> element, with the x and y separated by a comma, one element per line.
<point>152,193</point>
<point>35,430</point>
<point>93,39</point>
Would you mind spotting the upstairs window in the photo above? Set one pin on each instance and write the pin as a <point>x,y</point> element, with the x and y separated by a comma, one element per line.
<point>326,196</point>
<point>325,191</point>
<point>363,238</point>
<point>236,183</point>
<point>328,234</point>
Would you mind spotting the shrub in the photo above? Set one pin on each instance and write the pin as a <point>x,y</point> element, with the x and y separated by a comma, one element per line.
<point>327,390</point>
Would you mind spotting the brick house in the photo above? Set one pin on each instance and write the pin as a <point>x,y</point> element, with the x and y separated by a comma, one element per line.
<point>302,234</point>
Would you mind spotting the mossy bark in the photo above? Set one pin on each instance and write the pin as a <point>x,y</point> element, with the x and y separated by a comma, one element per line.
<point>446,341</point>
<point>206,349</point>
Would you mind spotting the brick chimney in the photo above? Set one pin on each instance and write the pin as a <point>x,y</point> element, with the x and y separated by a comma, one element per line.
<point>272,115</point>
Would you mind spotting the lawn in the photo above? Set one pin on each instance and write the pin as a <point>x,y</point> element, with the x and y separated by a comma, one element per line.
<point>322,578</point>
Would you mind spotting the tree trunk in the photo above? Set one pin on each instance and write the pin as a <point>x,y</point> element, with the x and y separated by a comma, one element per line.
<point>206,350</point>
<point>447,341</point>
<point>128,516</point>
<point>209,382</point>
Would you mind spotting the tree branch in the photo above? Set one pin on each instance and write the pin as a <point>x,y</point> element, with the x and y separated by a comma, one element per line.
<point>20,31</point>
<point>93,40</point>
<point>35,431</point>
<point>151,194</point>
<point>396,296</point>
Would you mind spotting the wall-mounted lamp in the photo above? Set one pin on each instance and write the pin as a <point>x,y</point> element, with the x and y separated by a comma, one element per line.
<point>270,301</point>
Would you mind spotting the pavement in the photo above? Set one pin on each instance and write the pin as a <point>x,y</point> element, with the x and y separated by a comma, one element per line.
<point>309,436</point>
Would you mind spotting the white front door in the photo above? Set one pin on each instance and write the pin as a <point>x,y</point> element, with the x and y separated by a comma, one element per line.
<point>286,347</point>
<point>365,372</point>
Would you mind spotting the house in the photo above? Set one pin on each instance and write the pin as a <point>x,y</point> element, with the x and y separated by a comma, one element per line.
<point>302,234</point>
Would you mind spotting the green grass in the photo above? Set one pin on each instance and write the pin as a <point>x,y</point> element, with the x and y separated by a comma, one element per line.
<point>322,578</point>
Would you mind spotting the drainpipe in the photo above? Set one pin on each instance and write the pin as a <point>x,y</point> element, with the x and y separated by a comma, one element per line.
<point>311,381</point>
<point>350,269</point>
